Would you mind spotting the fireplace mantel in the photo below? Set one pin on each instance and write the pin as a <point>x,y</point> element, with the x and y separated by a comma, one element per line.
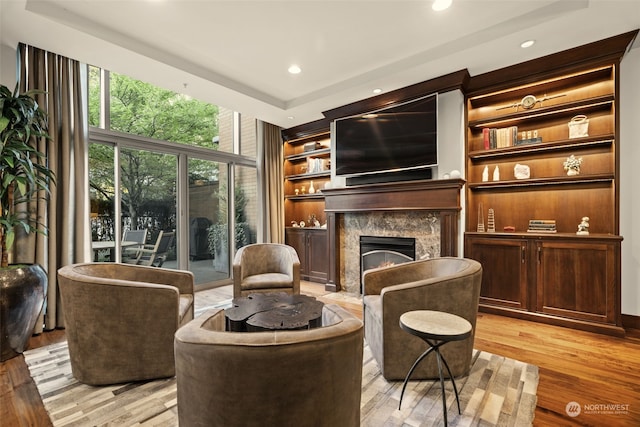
<point>433,195</point>
<point>441,196</point>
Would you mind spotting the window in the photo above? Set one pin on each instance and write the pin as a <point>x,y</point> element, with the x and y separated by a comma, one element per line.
<point>154,152</point>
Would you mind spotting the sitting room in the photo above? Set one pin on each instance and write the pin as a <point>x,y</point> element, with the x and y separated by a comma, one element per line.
<point>371,213</point>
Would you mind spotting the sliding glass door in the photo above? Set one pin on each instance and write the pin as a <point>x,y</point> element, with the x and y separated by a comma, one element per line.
<point>208,221</point>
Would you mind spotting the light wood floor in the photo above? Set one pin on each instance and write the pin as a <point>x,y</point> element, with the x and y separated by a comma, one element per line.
<point>590,369</point>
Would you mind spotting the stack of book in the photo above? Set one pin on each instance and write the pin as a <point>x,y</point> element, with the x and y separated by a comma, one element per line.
<point>542,226</point>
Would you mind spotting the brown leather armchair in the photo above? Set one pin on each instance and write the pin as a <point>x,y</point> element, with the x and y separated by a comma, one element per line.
<point>120,320</point>
<point>444,284</point>
<point>266,267</point>
<point>273,378</point>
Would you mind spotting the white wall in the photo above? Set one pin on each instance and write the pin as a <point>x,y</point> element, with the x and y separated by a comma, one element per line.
<point>450,133</point>
<point>629,146</point>
<point>8,66</point>
<point>451,130</point>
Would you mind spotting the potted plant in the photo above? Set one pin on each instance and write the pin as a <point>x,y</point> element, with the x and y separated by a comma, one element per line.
<point>22,177</point>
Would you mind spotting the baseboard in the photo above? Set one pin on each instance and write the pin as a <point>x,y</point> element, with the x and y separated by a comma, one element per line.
<point>630,321</point>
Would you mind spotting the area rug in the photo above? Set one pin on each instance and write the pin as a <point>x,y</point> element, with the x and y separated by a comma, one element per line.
<point>498,391</point>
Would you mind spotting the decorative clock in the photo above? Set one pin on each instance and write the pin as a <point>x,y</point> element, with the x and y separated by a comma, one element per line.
<point>529,101</point>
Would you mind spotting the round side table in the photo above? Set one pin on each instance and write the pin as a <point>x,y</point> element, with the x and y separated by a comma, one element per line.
<point>436,328</point>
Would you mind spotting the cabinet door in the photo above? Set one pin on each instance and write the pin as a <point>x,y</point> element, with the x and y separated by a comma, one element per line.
<point>318,256</point>
<point>504,270</point>
<point>297,240</point>
<point>577,280</point>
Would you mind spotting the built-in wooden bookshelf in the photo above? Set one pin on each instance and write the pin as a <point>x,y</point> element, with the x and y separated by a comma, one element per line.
<point>558,276</point>
<point>307,170</point>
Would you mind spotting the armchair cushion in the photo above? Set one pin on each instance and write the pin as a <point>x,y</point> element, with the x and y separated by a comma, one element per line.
<point>266,267</point>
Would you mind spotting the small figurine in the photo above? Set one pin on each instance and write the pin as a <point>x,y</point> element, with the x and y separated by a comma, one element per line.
<point>295,224</point>
<point>485,174</point>
<point>297,191</point>
<point>583,227</point>
<point>496,174</point>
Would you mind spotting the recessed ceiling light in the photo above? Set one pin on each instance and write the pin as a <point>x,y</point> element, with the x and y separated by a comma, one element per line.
<point>294,69</point>
<point>527,43</point>
<point>290,117</point>
<point>439,5</point>
<point>377,90</point>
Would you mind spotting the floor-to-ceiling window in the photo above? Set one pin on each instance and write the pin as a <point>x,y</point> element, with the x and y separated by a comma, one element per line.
<point>162,161</point>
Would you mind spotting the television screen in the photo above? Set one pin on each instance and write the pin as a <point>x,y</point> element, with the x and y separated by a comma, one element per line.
<point>399,137</point>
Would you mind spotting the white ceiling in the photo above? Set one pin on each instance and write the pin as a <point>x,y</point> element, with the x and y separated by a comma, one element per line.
<point>236,53</point>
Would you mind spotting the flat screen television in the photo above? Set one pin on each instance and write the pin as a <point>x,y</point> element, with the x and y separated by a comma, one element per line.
<point>396,138</point>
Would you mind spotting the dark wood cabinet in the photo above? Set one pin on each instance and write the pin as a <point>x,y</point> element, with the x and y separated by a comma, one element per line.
<point>522,124</point>
<point>559,279</point>
<point>312,248</point>
<point>578,279</point>
<point>504,261</point>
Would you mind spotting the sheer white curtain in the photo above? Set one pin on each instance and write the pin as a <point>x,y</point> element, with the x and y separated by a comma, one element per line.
<point>66,211</point>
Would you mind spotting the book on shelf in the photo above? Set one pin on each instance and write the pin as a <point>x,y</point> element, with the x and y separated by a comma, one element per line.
<point>542,226</point>
<point>542,221</point>
<point>529,141</point>
<point>499,137</point>
<point>315,165</point>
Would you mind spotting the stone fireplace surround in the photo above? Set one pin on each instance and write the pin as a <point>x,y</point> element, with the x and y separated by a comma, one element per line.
<point>427,210</point>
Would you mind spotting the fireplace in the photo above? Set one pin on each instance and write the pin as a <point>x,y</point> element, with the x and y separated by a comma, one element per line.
<point>377,251</point>
<point>427,210</point>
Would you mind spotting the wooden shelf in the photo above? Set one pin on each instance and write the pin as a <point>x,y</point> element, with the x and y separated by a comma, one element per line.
<point>540,182</point>
<point>561,145</point>
<point>307,176</point>
<point>324,152</point>
<point>583,106</point>
<point>303,197</point>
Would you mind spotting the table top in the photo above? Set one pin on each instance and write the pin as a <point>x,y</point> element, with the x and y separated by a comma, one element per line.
<point>110,244</point>
<point>273,311</point>
<point>436,325</point>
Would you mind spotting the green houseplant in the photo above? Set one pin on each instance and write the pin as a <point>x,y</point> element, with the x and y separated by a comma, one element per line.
<point>22,177</point>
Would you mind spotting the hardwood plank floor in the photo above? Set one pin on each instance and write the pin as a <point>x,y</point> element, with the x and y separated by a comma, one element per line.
<point>575,366</point>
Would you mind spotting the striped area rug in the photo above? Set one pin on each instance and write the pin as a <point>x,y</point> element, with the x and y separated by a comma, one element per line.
<point>498,391</point>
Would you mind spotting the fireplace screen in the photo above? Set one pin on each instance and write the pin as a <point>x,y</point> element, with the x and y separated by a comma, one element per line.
<point>384,252</point>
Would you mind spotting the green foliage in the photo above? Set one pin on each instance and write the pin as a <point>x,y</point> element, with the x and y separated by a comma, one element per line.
<point>140,108</point>
<point>23,170</point>
<point>217,233</point>
<point>143,109</point>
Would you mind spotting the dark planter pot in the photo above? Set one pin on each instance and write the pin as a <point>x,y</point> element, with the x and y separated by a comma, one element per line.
<point>22,292</point>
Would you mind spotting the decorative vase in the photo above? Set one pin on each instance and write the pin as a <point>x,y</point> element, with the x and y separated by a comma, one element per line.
<point>573,172</point>
<point>312,189</point>
<point>22,293</point>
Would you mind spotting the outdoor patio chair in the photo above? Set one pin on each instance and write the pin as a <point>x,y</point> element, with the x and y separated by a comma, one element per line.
<point>154,255</point>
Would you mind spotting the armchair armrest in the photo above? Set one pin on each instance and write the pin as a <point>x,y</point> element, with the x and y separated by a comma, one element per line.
<point>377,278</point>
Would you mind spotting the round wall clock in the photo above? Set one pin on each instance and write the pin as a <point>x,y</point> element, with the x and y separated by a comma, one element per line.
<point>528,102</point>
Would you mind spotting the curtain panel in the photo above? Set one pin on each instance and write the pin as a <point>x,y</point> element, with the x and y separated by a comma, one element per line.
<point>65,212</point>
<point>273,176</point>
